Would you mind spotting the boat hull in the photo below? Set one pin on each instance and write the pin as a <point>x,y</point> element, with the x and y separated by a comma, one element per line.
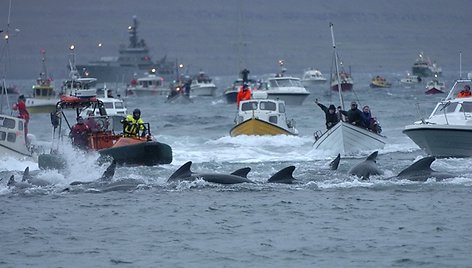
<point>442,140</point>
<point>289,98</point>
<point>345,138</point>
<point>313,82</point>
<point>257,127</point>
<point>146,153</point>
<point>150,92</point>
<point>344,87</point>
<point>230,96</point>
<point>203,91</point>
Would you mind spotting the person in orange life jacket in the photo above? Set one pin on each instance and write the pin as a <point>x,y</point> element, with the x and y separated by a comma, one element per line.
<point>330,114</point>
<point>464,93</point>
<point>79,134</point>
<point>243,94</point>
<point>20,106</point>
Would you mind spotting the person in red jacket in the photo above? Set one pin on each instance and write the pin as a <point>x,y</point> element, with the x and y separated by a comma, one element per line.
<point>79,134</point>
<point>20,106</point>
<point>243,94</point>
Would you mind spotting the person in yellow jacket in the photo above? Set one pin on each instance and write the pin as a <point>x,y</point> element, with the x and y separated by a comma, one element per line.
<point>132,124</point>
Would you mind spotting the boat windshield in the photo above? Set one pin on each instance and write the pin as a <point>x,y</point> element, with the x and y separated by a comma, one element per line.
<point>268,106</point>
<point>7,123</point>
<point>119,105</point>
<point>448,107</point>
<point>466,107</point>
<point>285,83</point>
<point>249,106</point>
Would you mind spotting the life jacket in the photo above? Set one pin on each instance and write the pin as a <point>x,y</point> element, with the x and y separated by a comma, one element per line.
<point>464,94</point>
<point>243,95</point>
<point>132,126</point>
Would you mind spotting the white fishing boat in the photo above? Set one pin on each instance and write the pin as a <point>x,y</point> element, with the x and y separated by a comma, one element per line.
<point>76,86</point>
<point>43,99</point>
<point>150,85</point>
<point>313,77</point>
<point>410,81</point>
<point>435,86</point>
<point>447,131</point>
<point>202,85</point>
<point>286,88</point>
<point>113,107</point>
<point>345,138</point>
<point>261,116</point>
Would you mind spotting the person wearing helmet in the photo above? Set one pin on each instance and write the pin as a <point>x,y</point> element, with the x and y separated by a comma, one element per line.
<point>132,124</point>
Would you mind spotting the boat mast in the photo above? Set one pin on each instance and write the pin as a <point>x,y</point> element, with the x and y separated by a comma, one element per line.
<point>4,92</point>
<point>341,100</point>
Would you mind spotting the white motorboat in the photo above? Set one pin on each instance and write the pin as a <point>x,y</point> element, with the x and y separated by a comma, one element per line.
<point>313,77</point>
<point>410,81</point>
<point>447,131</point>
<point>150,85</point>
<point>113,107</point>
<point>44,97</point>
<point>423,67</point>
<point>202,85</point>
<point>286,88</point>
<point>345,138</point>
<point>262,116</point>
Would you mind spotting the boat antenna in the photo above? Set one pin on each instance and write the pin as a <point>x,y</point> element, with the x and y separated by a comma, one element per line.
<point>336,66</point>
<point>460,64</point>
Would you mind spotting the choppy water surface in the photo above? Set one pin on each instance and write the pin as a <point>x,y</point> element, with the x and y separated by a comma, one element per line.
<point>327,219</point>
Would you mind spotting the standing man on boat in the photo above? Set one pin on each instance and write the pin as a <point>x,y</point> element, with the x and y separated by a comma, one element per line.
<point>79,134</point>
<point>20,106</point>
<point>132,124</point>
<point>330,114</point>
<point>245,75</point>
<point>243,94</point>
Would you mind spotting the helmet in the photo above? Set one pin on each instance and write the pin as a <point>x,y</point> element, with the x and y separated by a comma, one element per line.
<point>136,113</point>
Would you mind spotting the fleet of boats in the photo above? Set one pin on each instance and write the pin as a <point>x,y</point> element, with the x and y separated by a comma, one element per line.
<point>262,116</point>
<point>447,131</point>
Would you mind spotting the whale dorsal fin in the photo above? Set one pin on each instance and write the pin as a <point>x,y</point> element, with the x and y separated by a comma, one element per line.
<point>285,175</point>
<point>372,156</point>
<point>335,163</point>
<point>26,174</point>
<point>424,164</point>
<point>11,181</point>
<point>183,172</point>
<point>242,172</point>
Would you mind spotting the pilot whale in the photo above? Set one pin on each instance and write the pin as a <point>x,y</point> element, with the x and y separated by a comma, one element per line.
<point>366,168</point>
<point>184,173</point>
<point>421,171</point>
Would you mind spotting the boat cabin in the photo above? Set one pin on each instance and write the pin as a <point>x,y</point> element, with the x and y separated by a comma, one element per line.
<point>268,110</point>
<point>150,81</point>
<point>453,110</point>
<point>12,135</point>
<point>80,87</point>
<point>279,82</point>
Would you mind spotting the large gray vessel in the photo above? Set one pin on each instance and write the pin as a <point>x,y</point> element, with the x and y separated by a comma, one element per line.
<point>132,60</point>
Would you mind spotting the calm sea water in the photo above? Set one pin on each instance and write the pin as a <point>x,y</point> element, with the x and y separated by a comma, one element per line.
<point>326,219</point>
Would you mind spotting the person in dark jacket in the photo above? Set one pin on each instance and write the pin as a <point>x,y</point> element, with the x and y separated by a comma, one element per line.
<point>354,115</point>
<point>330,114</point>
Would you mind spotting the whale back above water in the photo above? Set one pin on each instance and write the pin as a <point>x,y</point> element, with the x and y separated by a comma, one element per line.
<point>366,168</point>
